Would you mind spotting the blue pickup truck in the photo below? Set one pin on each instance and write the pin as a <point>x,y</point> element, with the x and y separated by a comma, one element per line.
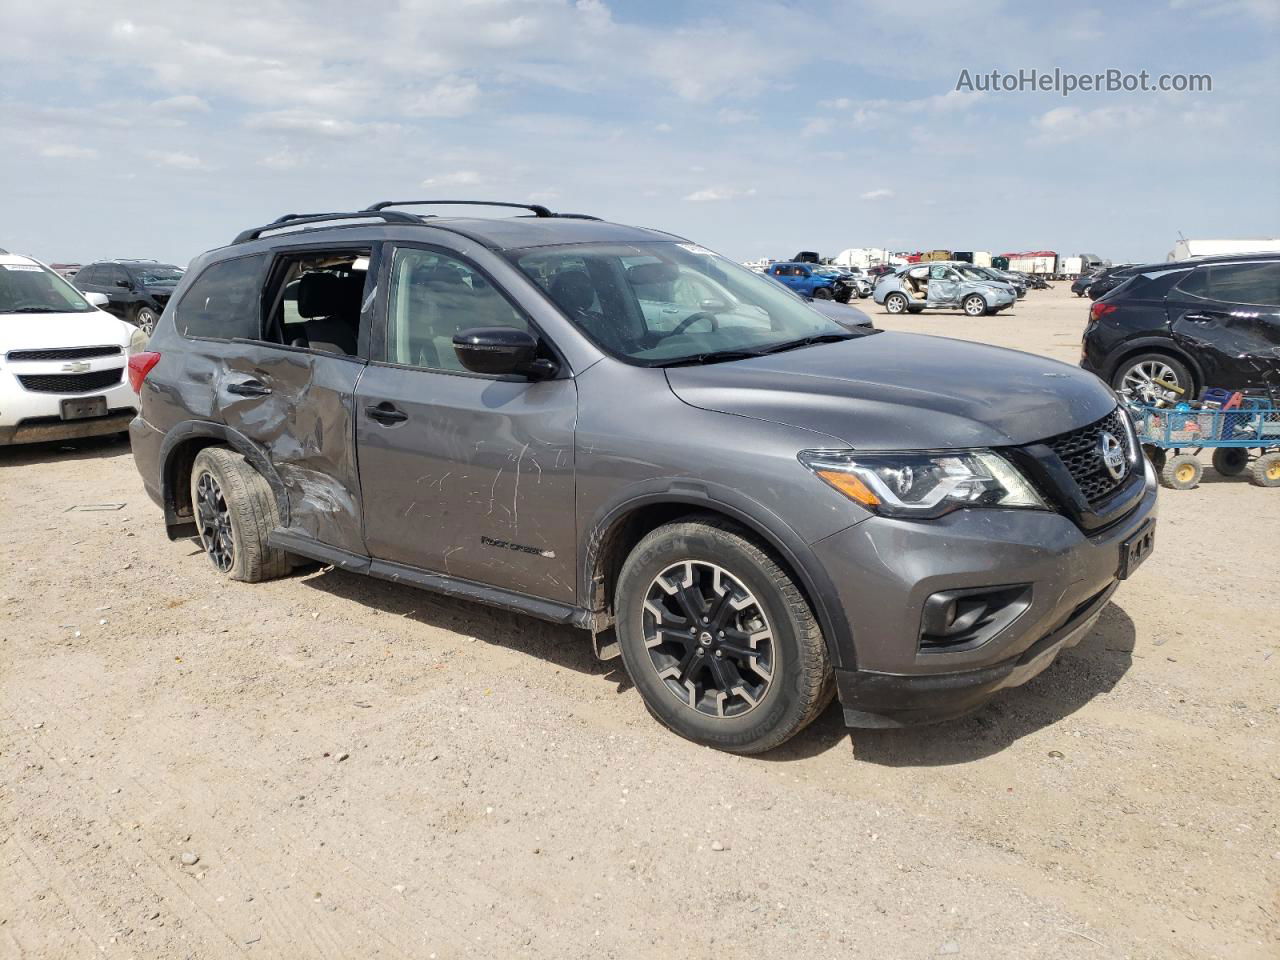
<point>811,280</point>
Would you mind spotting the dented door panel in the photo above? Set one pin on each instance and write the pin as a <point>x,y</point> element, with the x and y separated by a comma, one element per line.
<point>476,482</point>
<point>1237,346</point>
<point>298,406</point>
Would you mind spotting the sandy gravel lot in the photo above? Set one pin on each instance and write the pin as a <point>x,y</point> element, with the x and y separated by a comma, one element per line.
<point>330,766</point>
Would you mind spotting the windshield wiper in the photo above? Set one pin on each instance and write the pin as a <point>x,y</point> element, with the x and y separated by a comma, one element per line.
<point>714,356</point>
<point>33,310</point>
<point>808,341</point>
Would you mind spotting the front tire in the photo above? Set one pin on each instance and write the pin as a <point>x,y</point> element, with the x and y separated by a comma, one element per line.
<point>974,305</point>
<point>896,303</point>
<point>822,293</point>
<point>1181,472</point>
<point>234,510</point>
<point>718,639</point>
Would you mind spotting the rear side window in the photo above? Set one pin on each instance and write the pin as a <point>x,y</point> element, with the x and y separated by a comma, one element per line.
<point>87,275</point>
<point>223,303</point>
<point>1252,283</point>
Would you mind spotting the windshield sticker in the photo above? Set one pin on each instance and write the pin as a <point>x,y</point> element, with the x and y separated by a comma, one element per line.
<point>31,267</point>
<point>694,248</point>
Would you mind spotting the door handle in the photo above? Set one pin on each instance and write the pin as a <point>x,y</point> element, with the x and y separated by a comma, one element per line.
<point>249,388</point>
<point>385,413</point>
<point>1202,317</point>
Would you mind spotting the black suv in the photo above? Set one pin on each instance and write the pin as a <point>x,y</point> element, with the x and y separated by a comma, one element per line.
<point>136,290</point>
<point>755,507</point>
<point>1172,329</point>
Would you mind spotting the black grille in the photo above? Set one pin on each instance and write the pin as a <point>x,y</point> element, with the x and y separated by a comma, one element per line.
<point>1081,453</point>
<point>72,382</point>
<point>64,353</point>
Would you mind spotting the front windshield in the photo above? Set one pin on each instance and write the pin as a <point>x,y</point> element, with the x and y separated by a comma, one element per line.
<point>30,288</point>
<point>663,303</point>
<point>158,275</point>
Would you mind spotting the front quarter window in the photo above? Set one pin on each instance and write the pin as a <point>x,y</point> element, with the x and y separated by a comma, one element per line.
<point>658,303</point>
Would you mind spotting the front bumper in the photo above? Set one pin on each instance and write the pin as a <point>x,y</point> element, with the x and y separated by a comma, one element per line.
<point>885,570</point>
<point>32,416</point>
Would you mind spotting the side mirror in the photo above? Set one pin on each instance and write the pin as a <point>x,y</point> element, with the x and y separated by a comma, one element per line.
<point>127,284</point>
<point>713,306</point>
<point>96,299</point>
<point>502,351</point>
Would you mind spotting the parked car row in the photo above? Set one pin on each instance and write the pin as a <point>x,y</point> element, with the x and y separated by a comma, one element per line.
<point>136,290</point>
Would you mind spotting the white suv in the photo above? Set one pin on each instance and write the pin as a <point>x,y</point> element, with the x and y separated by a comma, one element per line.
<point>62,360</point>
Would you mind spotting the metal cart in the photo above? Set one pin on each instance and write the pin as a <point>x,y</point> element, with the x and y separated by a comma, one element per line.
<point>1246,438</point>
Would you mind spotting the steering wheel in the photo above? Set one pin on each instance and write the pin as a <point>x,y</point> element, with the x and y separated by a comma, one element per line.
<point>691,319</point>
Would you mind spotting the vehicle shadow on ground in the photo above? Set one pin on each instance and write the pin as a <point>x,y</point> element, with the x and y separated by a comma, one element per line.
<point>84,448</point>
<point>561,645</point>
<point>1079,674</point>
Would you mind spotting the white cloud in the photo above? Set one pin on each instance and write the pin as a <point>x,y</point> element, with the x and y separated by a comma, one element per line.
<point>67,151</point>
<point>308,124</point>
<point>183,103</point>
<point>176,159</point>
<point>1063,124</point>
<point>880,193</point>
<point>716,193</point>
<point>459,178</point>
<point>450,97</point>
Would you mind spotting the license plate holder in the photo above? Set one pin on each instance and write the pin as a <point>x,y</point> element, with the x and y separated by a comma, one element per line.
<point>1136,549</point>
<point>82,408</point>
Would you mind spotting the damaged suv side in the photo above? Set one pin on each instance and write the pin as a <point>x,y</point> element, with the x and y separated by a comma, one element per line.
<point>755,507</point>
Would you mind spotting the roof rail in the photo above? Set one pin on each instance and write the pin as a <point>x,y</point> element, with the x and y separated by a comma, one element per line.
<point>538,209</point>
<point>301,219</point>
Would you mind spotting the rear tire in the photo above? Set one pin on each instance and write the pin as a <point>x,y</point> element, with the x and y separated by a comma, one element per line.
<point>753,670</point>
<point>896,303</point>
<point>1181,472</point>
<point>234,509</point>
<point>1135,378</point>
<point>1266,470</point>
<point>1231,461</point>
<point>144,318</point>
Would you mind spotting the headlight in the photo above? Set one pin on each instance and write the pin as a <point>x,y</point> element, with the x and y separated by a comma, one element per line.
<point>138,341</point>
<point>924,485</point>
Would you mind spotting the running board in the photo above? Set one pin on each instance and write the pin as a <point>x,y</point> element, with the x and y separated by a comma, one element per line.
<point>426,580</point>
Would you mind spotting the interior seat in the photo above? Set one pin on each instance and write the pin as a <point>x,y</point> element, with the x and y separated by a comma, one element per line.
<point>331,306</point>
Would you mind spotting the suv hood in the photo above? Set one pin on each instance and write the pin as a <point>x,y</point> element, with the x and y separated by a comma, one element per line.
<point>31,331</point>
<point>900,391</point>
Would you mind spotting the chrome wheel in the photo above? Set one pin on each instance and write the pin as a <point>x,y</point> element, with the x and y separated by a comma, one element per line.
<point>214,521</point>
<point>1151,380</point>
<point>709,639</point>
<point>895,303</point>
<point>975,306</point>
<point>146,321</point>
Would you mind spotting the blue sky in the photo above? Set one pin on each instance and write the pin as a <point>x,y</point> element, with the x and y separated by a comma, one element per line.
<point>160,128</point>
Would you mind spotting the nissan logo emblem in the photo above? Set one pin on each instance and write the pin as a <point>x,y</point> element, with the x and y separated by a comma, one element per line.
<point>1112,455</point>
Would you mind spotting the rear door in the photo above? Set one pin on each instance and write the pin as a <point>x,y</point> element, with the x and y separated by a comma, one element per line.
<point>294,402</point>
<point>462,474</point>
<point>1227,316</point>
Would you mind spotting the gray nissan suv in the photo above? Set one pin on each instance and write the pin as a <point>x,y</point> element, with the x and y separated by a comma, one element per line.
<point>755,507</point>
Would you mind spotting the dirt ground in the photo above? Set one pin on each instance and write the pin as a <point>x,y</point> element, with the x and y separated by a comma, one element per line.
<point>332,766</point>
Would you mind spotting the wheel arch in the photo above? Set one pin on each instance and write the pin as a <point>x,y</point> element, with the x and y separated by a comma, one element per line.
<point>177,456</point>
<point>619,528</point>
<point>1131,349</point>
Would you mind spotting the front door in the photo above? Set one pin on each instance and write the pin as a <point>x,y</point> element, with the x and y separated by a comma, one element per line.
<point>1227,315</point>
<point>944,286</point>
<point>462,474</point>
